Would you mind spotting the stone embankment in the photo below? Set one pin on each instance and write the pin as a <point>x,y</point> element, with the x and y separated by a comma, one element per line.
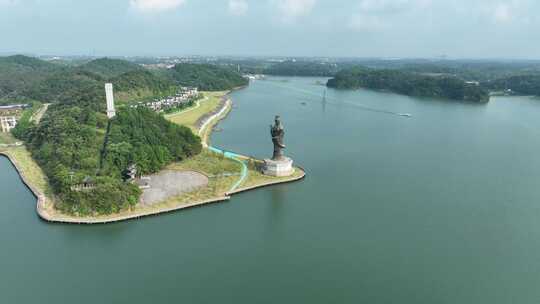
<point>204,120</point>
<point>41,198</point>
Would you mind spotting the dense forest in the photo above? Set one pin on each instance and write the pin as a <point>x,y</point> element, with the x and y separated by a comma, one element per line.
<point>107,67</point>
<point>206,77</point>
<point>19,73</point>
<point>149,140</point>
<point>518,85</point>
<point>407,83</point>
<point>141,85</point>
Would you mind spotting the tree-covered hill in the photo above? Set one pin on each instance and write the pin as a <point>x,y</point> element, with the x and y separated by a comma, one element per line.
<point>61,85</point>
<point>141,84</point>
<point>302,68</point>
<point>75,143</point>
<point>206,77</point>
<point>18,73</point>
<point>27,62</point>
<point>108,68</point>
<point>23,79</point>
<point>408,83</point>
<point>141,136</point>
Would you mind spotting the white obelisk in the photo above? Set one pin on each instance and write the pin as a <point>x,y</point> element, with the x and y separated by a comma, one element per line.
<point>111,112</point>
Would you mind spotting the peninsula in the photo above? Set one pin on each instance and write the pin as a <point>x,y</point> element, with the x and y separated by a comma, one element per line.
<point>175,167</point>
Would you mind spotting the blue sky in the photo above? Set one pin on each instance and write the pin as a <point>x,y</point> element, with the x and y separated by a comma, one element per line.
<point>357,28</point>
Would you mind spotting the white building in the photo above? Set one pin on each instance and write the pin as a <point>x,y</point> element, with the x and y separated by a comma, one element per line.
<point>111,112</point>
<point>7,123</point>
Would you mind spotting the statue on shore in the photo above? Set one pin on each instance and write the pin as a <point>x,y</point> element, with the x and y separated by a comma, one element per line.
<point>279,165</point>
<point>277,133</point>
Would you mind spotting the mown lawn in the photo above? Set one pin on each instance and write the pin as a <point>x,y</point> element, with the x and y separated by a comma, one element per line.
<point>189,117</point>
<point>6,138</point>
<point>222,173</point>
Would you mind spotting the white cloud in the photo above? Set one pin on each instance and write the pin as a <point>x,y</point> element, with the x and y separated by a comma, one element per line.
<point>238,7</point>
<point>151,6</point>
<point>502,13</point>
<point>292,9</point>
<point>8,2</point>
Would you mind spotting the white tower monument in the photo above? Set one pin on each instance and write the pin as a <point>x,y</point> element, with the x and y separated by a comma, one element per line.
<point>111,112</point>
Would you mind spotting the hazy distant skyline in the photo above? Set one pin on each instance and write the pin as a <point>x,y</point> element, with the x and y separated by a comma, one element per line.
<point>333,28</point>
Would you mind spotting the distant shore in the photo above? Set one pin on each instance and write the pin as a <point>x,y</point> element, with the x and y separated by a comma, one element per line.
<point>46,211</point>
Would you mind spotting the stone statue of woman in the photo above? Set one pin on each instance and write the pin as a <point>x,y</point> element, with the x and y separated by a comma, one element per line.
<point>279,165</point>
<point>277,133</point>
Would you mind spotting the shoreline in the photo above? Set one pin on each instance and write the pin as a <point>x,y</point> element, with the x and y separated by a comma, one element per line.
<point>40,197</point>
<point>205,131</point>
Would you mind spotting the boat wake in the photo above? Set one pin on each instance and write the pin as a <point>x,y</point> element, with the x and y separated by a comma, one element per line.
<point>357,105</point>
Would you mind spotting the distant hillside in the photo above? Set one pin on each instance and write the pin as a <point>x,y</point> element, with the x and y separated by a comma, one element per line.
<point>18,73</point>
<point>141,84</point>
<point>408,83</point>
<point>108,68</point>
<point>206,77</point>
<point>302,68</point>
<point>520,84</point>
<point>23,79</point>
<point>27,62</point>
<point>61,85</point>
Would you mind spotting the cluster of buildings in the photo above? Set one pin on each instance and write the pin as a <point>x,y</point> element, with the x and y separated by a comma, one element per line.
<point>184,95</point>
<point>9,116</point>
<point>7,123</point>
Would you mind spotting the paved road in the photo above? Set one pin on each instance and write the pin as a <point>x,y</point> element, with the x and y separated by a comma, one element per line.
<point>168,184</point>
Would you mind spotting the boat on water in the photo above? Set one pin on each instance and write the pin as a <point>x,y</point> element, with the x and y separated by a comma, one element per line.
<point>405,114</point>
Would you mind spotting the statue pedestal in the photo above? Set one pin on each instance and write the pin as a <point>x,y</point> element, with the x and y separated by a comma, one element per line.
<point>282,167</point>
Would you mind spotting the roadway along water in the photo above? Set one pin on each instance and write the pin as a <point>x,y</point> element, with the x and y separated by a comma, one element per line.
<point>439,208</point>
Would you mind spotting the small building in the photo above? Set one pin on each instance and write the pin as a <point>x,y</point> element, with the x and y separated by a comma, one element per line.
<point>87,184</point>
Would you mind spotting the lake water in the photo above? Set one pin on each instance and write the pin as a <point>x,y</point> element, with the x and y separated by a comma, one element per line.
<point>442,207</point>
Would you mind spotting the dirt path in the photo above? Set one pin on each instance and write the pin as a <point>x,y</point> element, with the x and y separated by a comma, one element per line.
<point>39,114</point>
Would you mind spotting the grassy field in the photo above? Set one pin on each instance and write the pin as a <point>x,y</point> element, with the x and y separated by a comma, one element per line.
<point>222,173</point>
<point>6,138</point>
<point>30,169</point>
<point>189,118</point>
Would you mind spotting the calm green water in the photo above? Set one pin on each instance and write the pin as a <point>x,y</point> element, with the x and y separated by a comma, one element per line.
<point>443,207</point>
